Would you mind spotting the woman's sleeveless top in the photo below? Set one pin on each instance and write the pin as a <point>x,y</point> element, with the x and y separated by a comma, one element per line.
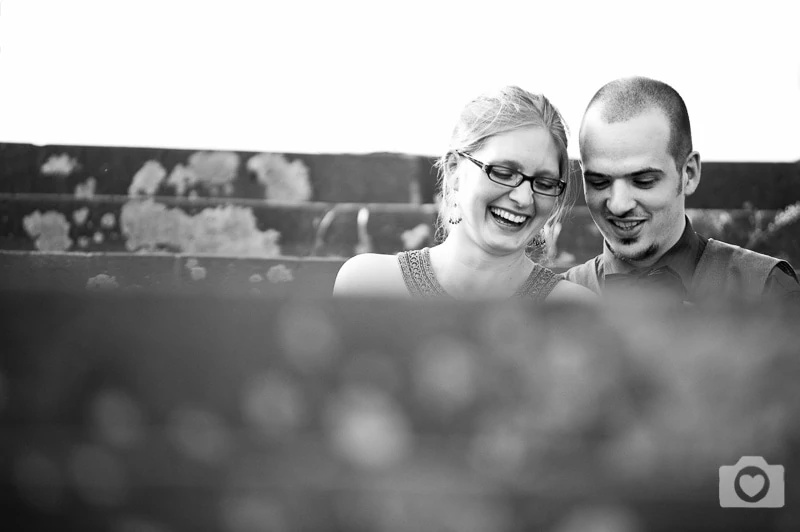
<point>421,281</point>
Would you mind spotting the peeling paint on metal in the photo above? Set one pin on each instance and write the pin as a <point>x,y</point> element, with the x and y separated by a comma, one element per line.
<point>147,180</point>
<point>224,230</point>
<point>284,180</point>
<point>50,230</point>
<point>108,221</point>
<point>79,216</point>
<point>60,165</point>
<point>213,171</point>
<point>102,281</point>
<point>86,189</point>
<point>280,274</point>
<point>197,273</point>
<point>416,237</point>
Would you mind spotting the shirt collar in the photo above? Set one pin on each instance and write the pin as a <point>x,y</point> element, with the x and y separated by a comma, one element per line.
<point>680,257</point>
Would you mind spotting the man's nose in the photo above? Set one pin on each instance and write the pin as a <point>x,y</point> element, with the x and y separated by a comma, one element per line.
<point>621,199</point>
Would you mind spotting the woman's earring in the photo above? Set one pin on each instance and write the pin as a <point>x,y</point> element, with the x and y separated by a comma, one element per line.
<point>539,240</point>
<point>455,216</point>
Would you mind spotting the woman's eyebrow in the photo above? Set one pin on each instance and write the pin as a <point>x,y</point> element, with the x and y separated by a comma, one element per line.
<point>514,165</point>
<point>506,162</point>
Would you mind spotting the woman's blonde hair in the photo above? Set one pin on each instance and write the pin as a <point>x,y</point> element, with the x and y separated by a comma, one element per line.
<point>508,109</point>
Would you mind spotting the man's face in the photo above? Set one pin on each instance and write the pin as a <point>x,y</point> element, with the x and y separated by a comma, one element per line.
<point>635,194</point>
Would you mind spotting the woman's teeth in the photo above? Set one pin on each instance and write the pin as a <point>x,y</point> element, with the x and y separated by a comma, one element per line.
<point>505,215</point>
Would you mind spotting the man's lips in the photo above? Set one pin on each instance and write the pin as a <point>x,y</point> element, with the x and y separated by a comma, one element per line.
<point>626,224</point>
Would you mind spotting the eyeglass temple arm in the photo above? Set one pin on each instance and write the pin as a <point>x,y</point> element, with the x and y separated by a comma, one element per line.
<point>475,161</point>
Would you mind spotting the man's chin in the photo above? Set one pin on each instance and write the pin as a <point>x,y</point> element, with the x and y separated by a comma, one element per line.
<point>629,251</point>
<point>623,246</point>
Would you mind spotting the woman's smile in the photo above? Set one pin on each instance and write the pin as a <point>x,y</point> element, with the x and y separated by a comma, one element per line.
<point>508,219</point>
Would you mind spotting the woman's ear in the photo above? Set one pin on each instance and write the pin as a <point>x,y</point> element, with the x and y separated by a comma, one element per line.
<point>452,167</point>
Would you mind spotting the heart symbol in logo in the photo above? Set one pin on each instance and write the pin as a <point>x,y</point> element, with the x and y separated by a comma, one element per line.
<point>751,484</point>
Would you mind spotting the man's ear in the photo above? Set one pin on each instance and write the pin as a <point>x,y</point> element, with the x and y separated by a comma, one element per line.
<point>691,173</point>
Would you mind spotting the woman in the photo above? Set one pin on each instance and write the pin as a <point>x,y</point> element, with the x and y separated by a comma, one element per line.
<point>504,182</point>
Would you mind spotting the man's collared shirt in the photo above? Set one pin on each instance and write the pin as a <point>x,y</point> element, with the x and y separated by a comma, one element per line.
<point>684,257</point>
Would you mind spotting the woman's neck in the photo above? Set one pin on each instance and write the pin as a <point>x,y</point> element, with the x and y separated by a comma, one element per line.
<point>466,271</point>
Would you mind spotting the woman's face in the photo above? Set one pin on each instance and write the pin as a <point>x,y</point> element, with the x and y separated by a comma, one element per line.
<point>501,219</point>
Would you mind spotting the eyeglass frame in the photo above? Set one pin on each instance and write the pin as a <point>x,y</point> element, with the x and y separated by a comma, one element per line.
<point>487,169</point>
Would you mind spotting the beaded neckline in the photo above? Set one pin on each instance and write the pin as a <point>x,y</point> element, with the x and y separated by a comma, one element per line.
<point>421,280</point>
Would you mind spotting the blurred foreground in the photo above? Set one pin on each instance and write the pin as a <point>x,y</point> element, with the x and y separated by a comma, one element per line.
<point>131,412</point>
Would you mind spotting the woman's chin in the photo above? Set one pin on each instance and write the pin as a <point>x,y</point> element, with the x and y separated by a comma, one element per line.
<point>508,244</point>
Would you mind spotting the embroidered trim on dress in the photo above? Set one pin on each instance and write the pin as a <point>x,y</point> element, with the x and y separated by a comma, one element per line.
<point>420,280</point>
<point>418,274</point>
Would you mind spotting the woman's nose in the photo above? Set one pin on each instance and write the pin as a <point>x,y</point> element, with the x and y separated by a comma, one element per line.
<point>523,194</point>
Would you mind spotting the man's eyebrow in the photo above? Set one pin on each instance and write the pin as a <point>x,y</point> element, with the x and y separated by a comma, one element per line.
<point>637,173</point>
<point>644,171</point>
<point>590,173</point>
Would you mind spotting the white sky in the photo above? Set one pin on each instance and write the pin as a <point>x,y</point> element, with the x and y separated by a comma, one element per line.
<point>345,76</point>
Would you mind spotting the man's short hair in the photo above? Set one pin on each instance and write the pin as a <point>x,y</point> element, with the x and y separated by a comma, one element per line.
<point>626,98</point>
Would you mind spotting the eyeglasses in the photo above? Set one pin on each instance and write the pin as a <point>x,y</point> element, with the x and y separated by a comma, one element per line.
<point>502,175</point>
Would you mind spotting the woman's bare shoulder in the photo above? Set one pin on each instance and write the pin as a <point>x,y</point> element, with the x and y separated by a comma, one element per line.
<point>370,274</point>
<point>569,291</point>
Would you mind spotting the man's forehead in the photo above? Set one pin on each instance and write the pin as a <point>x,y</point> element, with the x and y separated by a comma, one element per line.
<point>645,136</point>
<point>617,112</point>
<point>651,120</point>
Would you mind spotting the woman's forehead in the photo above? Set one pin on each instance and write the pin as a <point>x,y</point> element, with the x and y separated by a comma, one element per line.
<point>527,146</point>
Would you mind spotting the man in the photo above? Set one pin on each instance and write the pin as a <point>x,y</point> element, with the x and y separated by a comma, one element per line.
<point>638,167</point>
